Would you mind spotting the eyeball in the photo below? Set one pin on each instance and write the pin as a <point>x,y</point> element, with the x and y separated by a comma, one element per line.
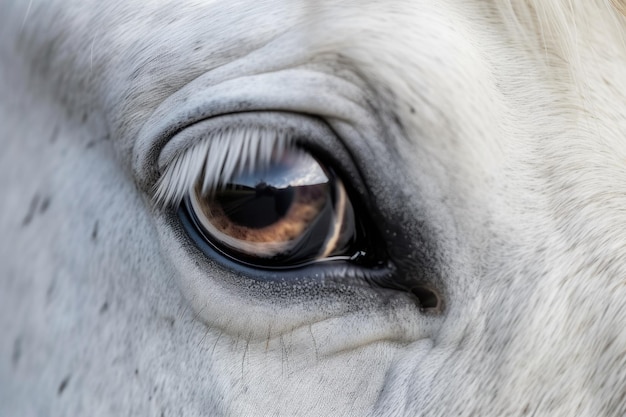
<point>289,212</point>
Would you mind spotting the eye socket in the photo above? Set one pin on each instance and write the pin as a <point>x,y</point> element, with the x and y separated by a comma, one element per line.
<point>286,213</point>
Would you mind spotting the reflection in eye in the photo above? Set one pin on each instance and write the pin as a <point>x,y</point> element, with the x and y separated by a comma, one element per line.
<point>287,212</point>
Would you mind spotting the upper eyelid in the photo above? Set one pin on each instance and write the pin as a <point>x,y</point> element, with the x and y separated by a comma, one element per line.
<point>318,94</point>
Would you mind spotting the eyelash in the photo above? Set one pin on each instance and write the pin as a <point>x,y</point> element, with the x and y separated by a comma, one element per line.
<point>217,158</point>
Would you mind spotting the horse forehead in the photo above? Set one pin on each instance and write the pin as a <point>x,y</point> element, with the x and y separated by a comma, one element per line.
<point>133,57</point>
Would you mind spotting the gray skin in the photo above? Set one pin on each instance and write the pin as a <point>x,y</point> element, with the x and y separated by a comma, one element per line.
<point>488,154</point>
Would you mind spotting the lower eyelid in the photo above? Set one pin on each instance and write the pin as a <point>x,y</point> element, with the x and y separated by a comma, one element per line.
<point>313,294</point>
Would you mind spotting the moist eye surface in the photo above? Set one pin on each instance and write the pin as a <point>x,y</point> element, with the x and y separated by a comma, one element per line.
<point>287,212</point>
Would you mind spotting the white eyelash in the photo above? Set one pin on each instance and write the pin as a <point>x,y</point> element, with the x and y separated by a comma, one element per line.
<point>217,159</point>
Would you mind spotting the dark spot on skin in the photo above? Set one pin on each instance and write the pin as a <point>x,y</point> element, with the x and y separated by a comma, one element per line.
<point>104,307</point>
<point>412,110</point>
<point>136,372</point>
<point>94,142</point>
<point>135,74</point>
<point>50,290</point>
<point>398,122</point>
<point>170,320</point>
<point>44,205</point>
<point>31,210</point>
<point>46,53</point>
<point>34,207</point>
<point>84,117</point>
<point>162,413</point>
<point>608,344</point>
<point>17,352</point>
<point>63,384</point>
<point>94,232</point>
<point>526,409</point>
<point>197,48</point>
<point>55,134</point>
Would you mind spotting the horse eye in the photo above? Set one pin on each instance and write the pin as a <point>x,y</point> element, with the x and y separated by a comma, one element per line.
<point>287,213</point>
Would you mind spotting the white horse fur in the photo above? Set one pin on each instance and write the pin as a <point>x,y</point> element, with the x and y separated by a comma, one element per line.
<point>488,135</point>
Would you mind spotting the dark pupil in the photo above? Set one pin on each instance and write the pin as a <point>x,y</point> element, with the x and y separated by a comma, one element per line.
<point>255,207</point>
